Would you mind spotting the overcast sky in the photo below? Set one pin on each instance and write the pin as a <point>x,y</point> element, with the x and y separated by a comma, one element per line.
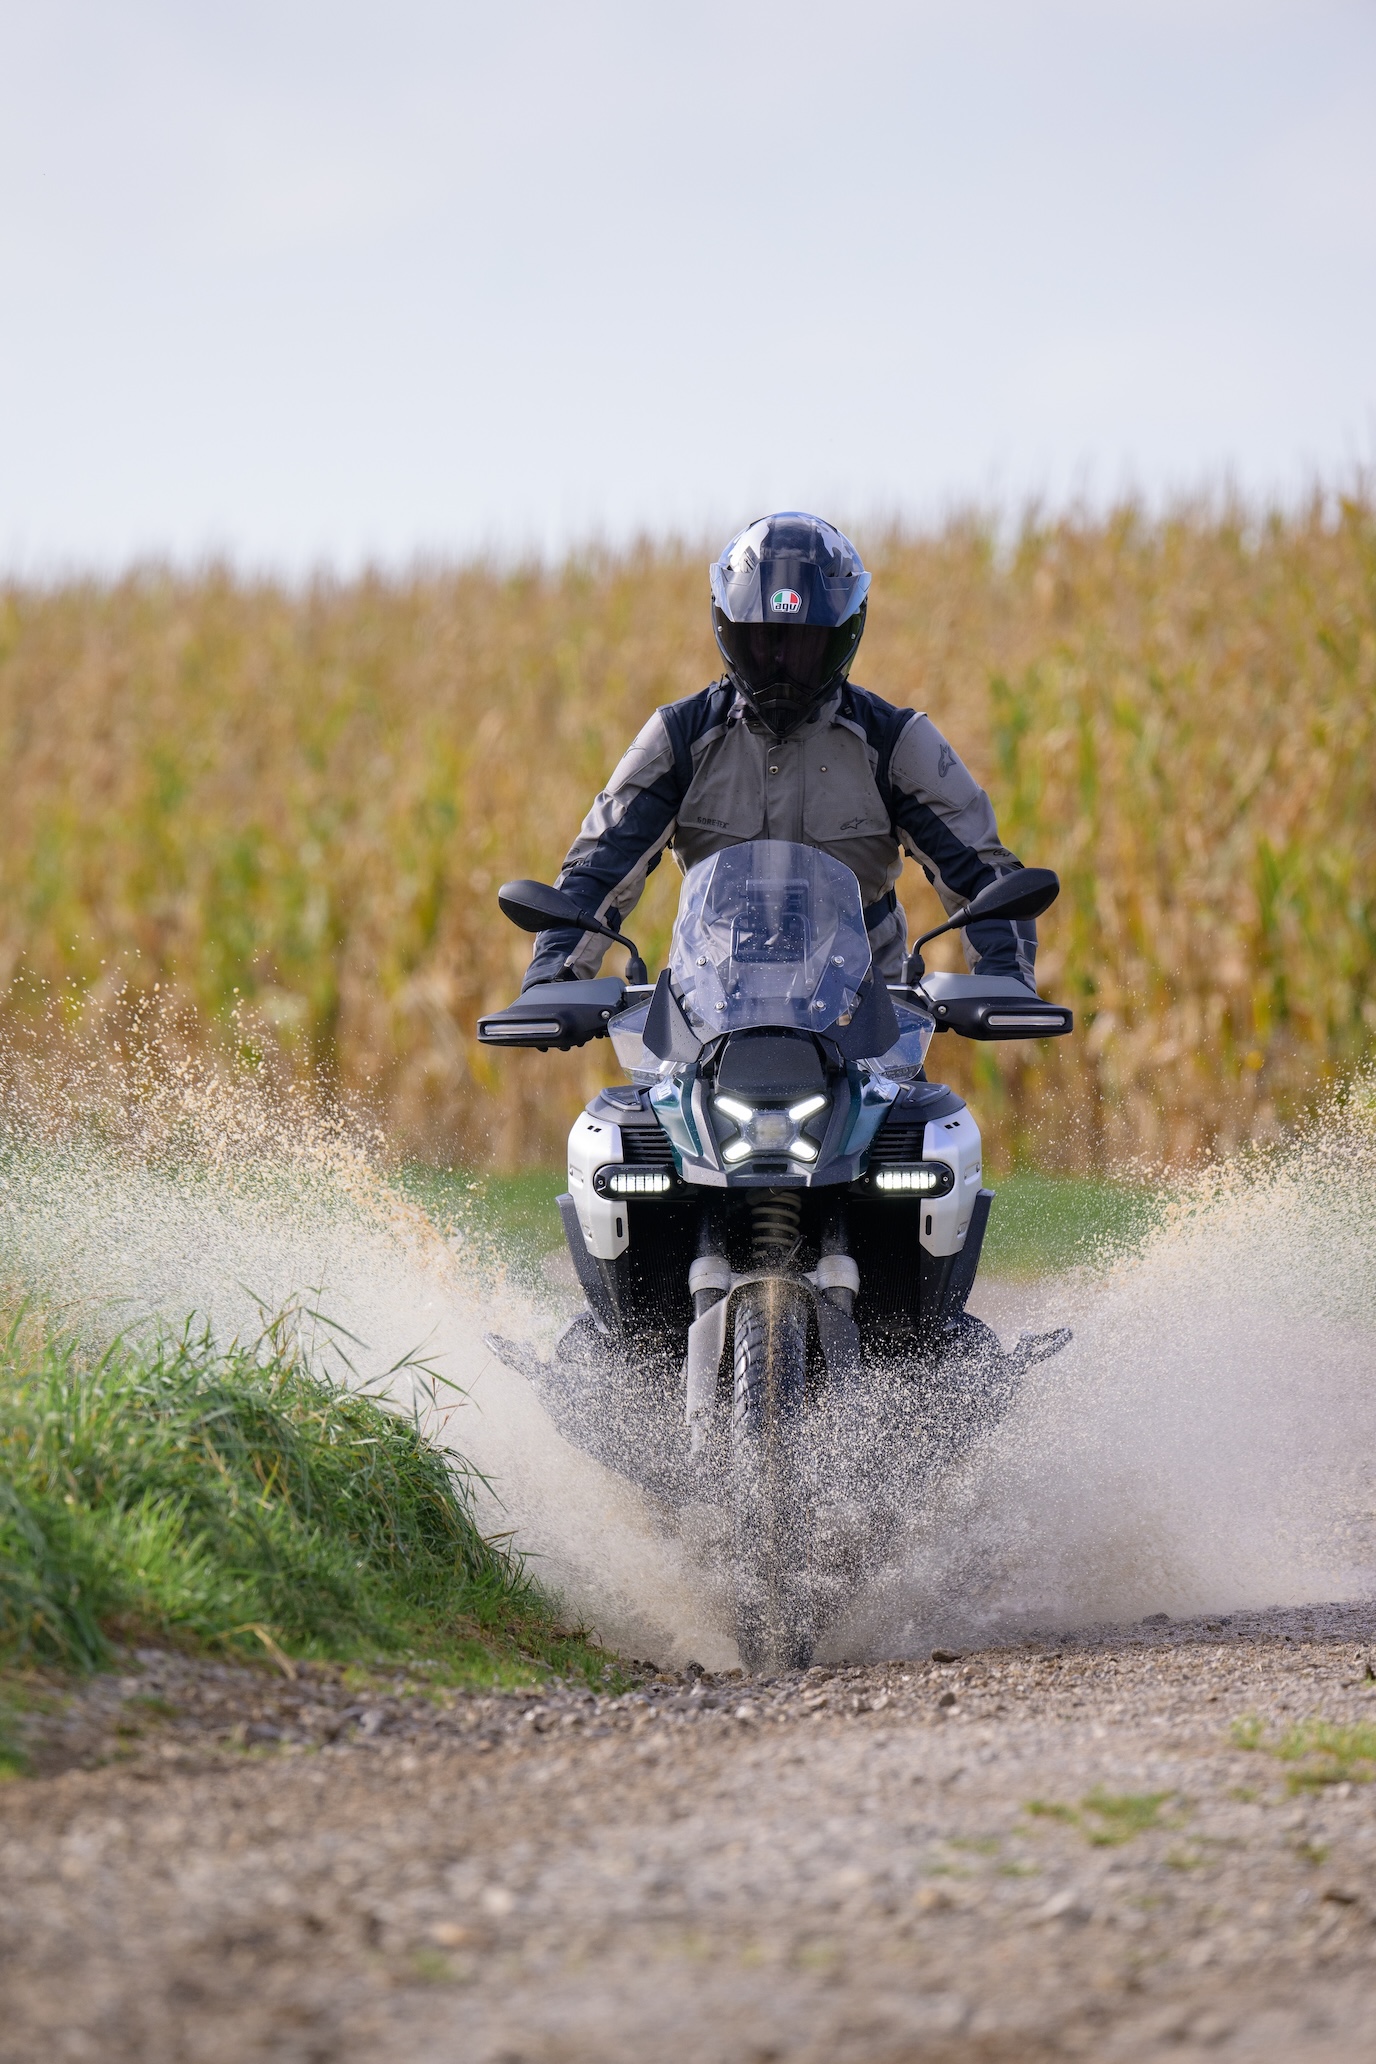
<point>310,281</point>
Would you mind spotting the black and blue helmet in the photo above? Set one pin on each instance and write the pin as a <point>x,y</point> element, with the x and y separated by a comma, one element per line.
<point>788,609</point>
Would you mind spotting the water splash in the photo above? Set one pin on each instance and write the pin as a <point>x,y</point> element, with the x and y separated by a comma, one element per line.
<point>1207,1442</point>
<point>139,1188</point>
<point>1209,1439</point>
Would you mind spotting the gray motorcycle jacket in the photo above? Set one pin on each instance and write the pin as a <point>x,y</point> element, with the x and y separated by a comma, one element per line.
<point>860,779</point>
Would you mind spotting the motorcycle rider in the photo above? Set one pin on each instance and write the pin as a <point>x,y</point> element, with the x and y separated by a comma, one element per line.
<point>784,746</point>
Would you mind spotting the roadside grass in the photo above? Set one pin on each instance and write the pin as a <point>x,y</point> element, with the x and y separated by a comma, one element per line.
<point>1040,1224</point>
<point>12,1757</point>
<point>1326,1752</point>
<point>517,1213</point>
<point>229,1498</point>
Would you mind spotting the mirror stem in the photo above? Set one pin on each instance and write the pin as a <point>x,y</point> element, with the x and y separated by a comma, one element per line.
<point>635,966</point>
<point>917,967</point>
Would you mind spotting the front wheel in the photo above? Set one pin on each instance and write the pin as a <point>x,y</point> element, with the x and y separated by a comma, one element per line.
<point>774,1617</point>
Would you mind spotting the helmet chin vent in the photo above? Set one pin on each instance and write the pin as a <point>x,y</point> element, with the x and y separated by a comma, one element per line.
<point>782,712</point>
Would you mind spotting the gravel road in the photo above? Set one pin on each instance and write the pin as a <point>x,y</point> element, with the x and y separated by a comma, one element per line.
<point>1058,1850</point>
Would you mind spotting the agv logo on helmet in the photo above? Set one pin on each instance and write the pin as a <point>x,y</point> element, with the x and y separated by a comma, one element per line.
<point>787,601</point>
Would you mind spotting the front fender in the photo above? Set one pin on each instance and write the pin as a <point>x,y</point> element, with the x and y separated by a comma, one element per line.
<point>837,1335</point>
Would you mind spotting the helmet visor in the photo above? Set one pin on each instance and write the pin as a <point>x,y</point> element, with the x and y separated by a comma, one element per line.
<point>787,666</point>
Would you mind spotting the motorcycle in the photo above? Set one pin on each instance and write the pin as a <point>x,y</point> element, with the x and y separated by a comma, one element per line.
<point>776,1222</point>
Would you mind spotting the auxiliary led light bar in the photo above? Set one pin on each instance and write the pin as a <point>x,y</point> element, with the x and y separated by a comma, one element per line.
<point>927,1179</point>
<point>632,1182</point>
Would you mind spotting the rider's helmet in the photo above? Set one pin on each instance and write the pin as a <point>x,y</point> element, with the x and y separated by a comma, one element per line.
<point>788,608</point>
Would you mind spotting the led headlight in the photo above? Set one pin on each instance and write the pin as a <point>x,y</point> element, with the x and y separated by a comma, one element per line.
<point>770,1132</point>
<point>808,1108</point>
<point>771,1129</point>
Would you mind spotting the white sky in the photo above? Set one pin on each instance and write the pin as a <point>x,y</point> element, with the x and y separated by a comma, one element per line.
<point>310,281</point>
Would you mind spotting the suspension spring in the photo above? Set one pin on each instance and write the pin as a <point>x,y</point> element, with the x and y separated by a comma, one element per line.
<point>775,1224</point>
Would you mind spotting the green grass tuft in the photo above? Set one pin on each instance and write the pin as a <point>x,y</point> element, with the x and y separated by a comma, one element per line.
<point>230,1497</point>
<point>1328,1752</point>
<point>1106,1819</point>
<point>1121,1815</point>
<point>1049,1809</point>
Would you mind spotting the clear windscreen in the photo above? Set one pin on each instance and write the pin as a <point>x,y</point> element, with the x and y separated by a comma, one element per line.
<point>769,933</point>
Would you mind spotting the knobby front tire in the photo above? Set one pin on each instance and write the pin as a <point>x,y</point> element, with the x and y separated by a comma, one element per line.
<point>774,1617</point>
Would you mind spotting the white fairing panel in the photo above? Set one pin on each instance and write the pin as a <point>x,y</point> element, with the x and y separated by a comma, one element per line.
<point>605,1220</point>
<point>946,1220</point>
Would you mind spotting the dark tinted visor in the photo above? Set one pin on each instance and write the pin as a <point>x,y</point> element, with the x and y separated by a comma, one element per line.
<point>801,658</point>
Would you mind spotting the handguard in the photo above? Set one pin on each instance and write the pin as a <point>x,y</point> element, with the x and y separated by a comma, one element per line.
<point>558,1014</point>
<point>993,1007</point>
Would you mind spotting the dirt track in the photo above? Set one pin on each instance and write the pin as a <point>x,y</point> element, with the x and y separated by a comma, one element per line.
<point>841,1866</point>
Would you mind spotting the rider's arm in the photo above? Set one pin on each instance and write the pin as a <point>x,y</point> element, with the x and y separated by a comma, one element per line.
<point>946,822</point>
<point>623,836</point>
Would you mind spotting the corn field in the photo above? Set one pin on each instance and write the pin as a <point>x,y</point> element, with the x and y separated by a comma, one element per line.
<point>284,813</point>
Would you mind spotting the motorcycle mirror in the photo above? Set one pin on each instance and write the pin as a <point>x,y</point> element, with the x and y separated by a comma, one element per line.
<point>536,907</point>
<point>1025,893</point>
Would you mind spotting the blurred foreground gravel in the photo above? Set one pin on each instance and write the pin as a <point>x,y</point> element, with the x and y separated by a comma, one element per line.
<point>1058,1850</point>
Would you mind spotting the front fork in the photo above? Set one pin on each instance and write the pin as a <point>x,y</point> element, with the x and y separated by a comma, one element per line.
<point>832,1286</point>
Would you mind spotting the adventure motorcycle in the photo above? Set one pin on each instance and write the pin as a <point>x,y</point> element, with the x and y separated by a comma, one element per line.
<point>777,1222</point>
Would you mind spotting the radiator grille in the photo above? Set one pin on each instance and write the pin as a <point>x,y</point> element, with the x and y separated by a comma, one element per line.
<point>898,1142</point>
<point>645,1146</point>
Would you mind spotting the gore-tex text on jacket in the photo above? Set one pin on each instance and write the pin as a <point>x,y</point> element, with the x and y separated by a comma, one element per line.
<point>860,779</point>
